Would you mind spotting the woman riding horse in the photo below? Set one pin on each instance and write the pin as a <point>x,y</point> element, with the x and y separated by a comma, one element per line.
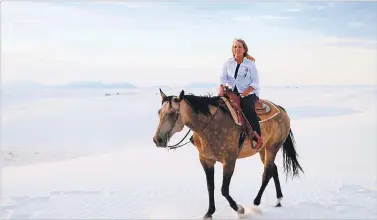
<point>216,135</point>
<point>241,74</point>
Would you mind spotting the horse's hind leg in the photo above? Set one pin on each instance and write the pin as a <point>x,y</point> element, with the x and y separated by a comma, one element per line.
<point>228,169</point>
<point>208,166</point>
<point>267,156</point>
<point>279,194</point>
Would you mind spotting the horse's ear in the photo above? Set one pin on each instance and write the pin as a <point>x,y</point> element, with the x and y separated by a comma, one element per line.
<point>181,95</point>
<point>163,96</point>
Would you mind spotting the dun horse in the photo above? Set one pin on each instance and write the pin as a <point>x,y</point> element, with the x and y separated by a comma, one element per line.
<point>216,135</point>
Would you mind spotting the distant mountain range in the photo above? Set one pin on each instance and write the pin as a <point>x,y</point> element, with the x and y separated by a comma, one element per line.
<point>126,85</point>
<point>97,85</point>
<point>71,85</point>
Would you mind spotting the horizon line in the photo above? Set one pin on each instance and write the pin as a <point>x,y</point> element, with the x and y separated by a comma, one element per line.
<point>198,83</point>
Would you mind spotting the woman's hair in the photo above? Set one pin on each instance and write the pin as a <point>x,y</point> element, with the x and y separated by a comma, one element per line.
<point>246,54</point>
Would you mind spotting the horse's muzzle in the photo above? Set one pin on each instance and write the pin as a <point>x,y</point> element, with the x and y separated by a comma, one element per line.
<point>159,141</point>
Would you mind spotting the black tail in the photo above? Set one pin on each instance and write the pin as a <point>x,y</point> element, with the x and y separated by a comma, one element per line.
<point>290,162</point>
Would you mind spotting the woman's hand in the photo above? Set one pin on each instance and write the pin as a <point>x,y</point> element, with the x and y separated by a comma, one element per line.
<point>247,91</point>
<point>221,90</point>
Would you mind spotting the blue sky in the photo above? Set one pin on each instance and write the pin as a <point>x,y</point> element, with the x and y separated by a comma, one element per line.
<point>178,43</point>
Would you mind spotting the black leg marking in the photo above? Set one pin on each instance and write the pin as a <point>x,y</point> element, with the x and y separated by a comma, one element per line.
<point>209,170</point>
<point>228,170</point>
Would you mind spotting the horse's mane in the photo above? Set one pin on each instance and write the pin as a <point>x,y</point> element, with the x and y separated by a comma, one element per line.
<point>200,104</point>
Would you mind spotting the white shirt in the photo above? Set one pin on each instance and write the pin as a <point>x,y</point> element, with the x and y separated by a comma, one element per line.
<point>247,75</point>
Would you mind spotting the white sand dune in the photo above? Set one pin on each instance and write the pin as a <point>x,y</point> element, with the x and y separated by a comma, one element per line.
<point>129,178</point>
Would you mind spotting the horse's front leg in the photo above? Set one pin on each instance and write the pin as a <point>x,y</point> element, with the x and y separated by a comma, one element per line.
<point>209,169</point>
<point>228,169</point>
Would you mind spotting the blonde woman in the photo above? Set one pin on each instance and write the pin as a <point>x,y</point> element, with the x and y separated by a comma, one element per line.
<point>241,75</point>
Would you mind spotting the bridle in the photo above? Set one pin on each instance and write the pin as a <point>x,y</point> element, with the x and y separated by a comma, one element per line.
<point>175,121</point>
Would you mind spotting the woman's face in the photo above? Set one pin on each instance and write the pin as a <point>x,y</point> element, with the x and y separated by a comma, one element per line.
<point>238,49</point>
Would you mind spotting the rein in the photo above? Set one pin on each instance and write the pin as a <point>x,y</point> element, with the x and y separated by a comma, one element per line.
<point>177,145</point>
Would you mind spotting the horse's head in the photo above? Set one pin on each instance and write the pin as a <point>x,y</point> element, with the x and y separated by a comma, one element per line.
<point>171,119</point>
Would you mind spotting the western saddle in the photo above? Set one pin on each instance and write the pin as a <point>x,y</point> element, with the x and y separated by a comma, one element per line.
<point>260,108</point>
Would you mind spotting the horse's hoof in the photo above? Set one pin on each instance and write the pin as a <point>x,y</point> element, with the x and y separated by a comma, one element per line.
<point>278,204</point>
<point>209,213</point>
<point>240,210</point>
<point>207,216</point>
<point>256,202</point>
